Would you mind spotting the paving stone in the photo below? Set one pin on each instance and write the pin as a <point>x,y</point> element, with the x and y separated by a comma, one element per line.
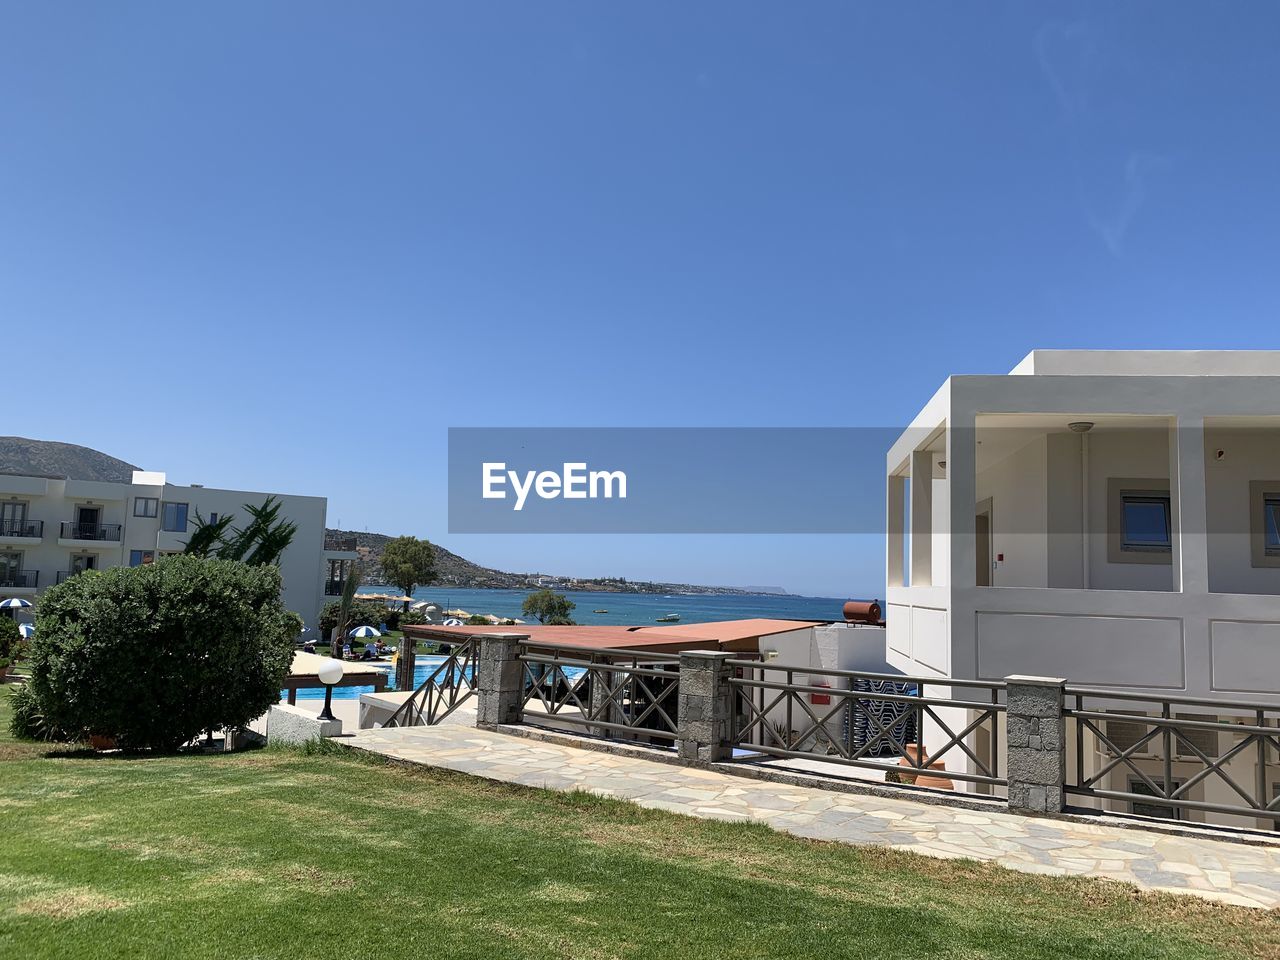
<point>1216,869</point>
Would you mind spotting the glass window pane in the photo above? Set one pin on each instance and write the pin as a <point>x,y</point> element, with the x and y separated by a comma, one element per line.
<point>1272,514</point>
<point>1146,522</point>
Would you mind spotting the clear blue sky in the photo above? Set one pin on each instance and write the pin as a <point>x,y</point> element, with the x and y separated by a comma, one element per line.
<point>285,246</point>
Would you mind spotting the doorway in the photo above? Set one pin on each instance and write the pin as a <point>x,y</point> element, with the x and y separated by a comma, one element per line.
<point>982,542</point>
<point>87,522</point>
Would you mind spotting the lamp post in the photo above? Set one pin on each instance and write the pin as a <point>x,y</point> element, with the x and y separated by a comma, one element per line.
<point>330,672</point>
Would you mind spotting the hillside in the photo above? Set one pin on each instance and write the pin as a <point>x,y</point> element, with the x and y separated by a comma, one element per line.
<point>455,571</point>
<point>49,458</point>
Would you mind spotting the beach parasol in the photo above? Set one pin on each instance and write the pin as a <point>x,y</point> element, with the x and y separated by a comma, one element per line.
<point>361,632</point>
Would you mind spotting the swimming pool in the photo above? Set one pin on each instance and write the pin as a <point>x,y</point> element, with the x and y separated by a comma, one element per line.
<point>422,668</point>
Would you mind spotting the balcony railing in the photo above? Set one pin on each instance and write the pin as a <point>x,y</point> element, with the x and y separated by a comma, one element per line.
<point>19,578</point>
<point>74,530</point>
<point>347,544</point>
<point>22,528</point>
<point>333,588</point>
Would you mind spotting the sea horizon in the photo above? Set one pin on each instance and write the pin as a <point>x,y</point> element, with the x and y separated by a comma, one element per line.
<point>639,609</point>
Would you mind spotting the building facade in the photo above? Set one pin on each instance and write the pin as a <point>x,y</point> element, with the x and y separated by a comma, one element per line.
<point>52,528</point>
<point>1110,518</point>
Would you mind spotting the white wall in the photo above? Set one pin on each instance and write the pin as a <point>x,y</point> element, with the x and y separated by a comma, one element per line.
<point>1248,455</point>
<point>1141,453</point>
<point>1017,487</point>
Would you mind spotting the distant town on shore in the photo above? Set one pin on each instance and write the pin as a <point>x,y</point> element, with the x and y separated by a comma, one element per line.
<point>455,571</point>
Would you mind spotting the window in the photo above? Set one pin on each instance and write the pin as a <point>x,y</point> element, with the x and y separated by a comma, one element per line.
<point>1264,522</point>
<point>138,558</point>
<point>175,518</point>
<point>1144,522</point>
<point>146,506</point>
<point>1160,810</point>
<point>1139,521</point>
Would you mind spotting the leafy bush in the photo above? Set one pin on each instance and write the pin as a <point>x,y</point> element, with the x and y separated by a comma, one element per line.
<point>154,655</point>
<point>27,722</point>
<point>477,620</point>
<point>364,613</point>
<point>10,640</point>
<point>393,619</point>
<point>412,617</point>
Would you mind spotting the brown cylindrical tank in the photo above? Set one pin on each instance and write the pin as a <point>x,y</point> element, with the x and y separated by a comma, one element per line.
<point>863,611</point>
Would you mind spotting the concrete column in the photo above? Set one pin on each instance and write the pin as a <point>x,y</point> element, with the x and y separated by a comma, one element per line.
<point>1187,506</point>
<point>921,518</point>
<point>500,680</point>
<point>1037,744</point>
<point>895,518</point>
<point>705,706</point>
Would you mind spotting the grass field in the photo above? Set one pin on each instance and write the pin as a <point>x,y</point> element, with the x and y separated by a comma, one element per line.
<point>277,853</point>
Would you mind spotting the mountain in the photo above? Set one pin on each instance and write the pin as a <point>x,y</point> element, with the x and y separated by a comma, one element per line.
<point>49,458</point>
<point>455,571</point>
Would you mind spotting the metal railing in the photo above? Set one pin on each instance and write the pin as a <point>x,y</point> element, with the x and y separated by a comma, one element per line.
<point>340,544</point>
<point>22,528</point>
<point>74,530</point>
<point>778,716</point>
<point>1171,754</point>
<point>19,578</point>
<point>334,588</point>
<point>451,684</point>
<point>606,691</point>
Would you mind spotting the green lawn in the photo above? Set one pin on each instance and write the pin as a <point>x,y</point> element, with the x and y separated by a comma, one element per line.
<point>287,854</point>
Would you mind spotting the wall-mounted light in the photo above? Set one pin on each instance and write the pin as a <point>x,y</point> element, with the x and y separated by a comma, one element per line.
<point>1080,426</point>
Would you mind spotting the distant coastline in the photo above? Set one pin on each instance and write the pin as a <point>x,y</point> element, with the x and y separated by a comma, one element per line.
<point>454,571</point>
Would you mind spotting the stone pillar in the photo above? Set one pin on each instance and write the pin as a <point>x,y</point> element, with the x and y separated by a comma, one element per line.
<point>405,657</point>
<point>602,706</point>
<point>500,680</point>
<point>1037,744</point>
<point>705,706</point>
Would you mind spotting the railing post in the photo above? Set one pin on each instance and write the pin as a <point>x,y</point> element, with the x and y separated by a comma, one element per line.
<point>406,657</point>
<point>602,706</point>
<point>500,680</point>
<point>705,706</point>
<point>1036,741</point>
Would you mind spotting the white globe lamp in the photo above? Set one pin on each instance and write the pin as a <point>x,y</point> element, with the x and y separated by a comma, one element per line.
<point>330,672</point>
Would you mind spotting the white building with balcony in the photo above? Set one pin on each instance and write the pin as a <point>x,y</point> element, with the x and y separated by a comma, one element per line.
<point>1107,517</point>
<point>52,528</point>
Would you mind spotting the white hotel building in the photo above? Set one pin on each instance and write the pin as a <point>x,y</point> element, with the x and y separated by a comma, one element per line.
<point>53,527</point>
<point>1107,517</point>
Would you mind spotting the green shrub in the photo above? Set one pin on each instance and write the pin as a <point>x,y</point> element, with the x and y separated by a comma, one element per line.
<point>10,640</point>
<point>392,619</point>
<point>364,613</point>
<point>26,721</point>
<point>412,617</point>
<point>477,620</point>
<point>154,655</point>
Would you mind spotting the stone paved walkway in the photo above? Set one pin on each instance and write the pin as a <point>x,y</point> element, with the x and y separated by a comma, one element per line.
<point>1230,872</point>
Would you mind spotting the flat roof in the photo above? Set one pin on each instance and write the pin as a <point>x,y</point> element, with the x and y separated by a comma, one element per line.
<point>664,638</point>
<point>1150,363</point>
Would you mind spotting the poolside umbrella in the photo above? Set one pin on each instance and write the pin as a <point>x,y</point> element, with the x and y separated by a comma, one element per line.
<point>28,630</point>
<point>452,622</point>
<point>362,632</point>
<point>12,604</point>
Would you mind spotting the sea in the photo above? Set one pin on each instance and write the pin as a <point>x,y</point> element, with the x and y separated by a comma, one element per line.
<point>637,609</point>
<point>630,609</point>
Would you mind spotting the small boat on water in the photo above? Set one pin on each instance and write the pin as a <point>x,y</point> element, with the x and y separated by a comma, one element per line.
<point>599,611</point>
<point>669,618</point>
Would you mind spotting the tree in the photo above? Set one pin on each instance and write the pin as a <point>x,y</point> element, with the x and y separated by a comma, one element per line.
<point>152,656</point>
<point>548,607</point>
<point>344,613</point>
<point>408,562</point>
<point>259,542</point>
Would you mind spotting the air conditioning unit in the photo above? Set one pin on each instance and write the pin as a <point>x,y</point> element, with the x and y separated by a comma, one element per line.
<point>1125,733</point>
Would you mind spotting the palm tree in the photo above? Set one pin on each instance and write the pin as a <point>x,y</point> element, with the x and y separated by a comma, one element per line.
<point>259,542</point>
<point>344,612</point>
